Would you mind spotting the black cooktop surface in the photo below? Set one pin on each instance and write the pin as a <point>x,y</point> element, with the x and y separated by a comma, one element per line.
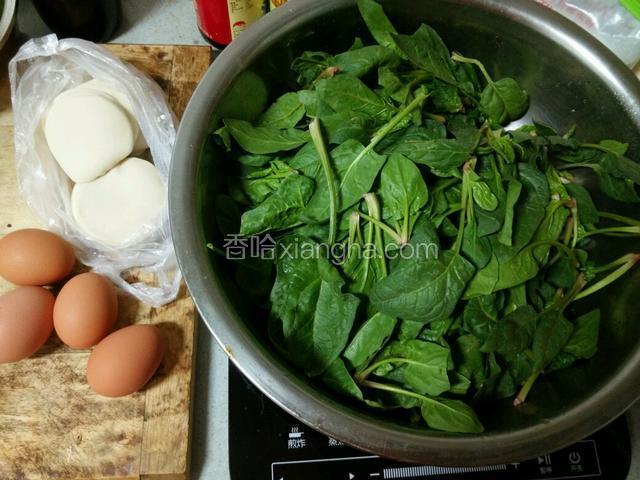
<point>265,443</point>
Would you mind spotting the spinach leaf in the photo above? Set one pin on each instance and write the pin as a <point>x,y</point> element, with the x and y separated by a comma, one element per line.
<point>459,383</point>
<point>426,50</point>
<point>450,416</point>
<point>309,66</point>
<point>513,333</point>
<point>587,210</point>
<point>402,188</point>
<point>504,101</point>
<point>409,330</point>
<point>263,140</point>
<point>285,113</point>
<point>484,197</point>
<point>392,85</point>
<point>436,331</point>
<point>424,290</point>
<point>379,25</point>
<point>561,361</point>
<point>281,209</point>
<point>306,161</point>
<point>477,249</point>
<point>349,125</point>
<point>520,367</point>
<point>562,274</point>
<point>551,336</point>
<point>412,140</point>
<point>358,62</point>
<point>348,93</point>
<point>352,180</point>
<point>583,343</point>
<point>480,316</point>
<point>620,189</point>
<point>517,270</point>
<point>530,208</point>
<point>253,160</point>
<point>468,358</point>
<point>259,184</point>
<point>316,317</point>
<point>441,155</point>
<point>338,378</point>
<point>426,368</point>
<point>362,267</point>
<point>513,194</point>
<point>445,97</point>
<point>485,280</point>
<point>369,339</point>
<point>464,129</point>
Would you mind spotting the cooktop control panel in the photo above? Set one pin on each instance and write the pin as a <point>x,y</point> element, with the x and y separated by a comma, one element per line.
<point>265,443</point>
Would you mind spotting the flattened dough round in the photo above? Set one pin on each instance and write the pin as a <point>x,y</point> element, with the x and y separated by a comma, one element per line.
<point>104,87</point>
<point>88,133</point>
<point>123,206</point>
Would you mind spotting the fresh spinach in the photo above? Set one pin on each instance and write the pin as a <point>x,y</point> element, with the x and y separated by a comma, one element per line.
<point>426,255</point>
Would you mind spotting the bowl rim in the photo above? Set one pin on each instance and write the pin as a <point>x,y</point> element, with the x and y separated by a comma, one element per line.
<point>277,381</point>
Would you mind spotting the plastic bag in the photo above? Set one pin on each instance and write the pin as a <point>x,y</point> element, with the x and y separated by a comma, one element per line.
<point>608,21</point>
<point>41,70</point>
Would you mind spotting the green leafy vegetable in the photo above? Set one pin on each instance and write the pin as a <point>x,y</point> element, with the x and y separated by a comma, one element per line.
<point>426,256</point>
<point>262,140</point>
<point>424,290</point>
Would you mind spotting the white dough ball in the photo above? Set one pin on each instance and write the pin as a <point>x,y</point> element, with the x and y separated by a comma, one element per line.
<point>123,206</point>
<point>88,133</point>
<point>105,87</point>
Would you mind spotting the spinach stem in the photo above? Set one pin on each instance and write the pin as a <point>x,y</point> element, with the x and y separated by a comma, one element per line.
<point>570,132</point>
<point>569,166</point>
<point>392,233</point>
<point>464,203</point>
<point>401,391</point>
<point>354,229</point>
<point>616,263</point>
<point>526,388</point>
<point>570,231</point>
<point>456,57</point>
<point>385,130</point>
<point>574,220</point>
<point>560,246</point>
<point>635,229</point>
<point>595,146</point>
<point>321,148</point>
<point>619,218</point>
<point>367,258</point>
<point>443,186</point>
<point>572,294</point>
<point>612,277</point>
<point>374,209</point>
<point>405,225</point>
<point>362,376</point>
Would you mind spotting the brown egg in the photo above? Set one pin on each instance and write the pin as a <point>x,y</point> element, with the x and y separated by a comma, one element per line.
<point>86,310</point>
<point>26,321</point>
<point>35,257</point>
<point>125,361</point>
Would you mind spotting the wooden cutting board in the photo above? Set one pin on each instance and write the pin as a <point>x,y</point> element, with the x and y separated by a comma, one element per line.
<point>52,426</point>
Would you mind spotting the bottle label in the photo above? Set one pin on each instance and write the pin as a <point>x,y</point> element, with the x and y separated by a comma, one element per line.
<point>276,3</point>
<point>243,13</point>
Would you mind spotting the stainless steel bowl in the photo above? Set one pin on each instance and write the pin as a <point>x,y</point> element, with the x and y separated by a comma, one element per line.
<point>572,79</point>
